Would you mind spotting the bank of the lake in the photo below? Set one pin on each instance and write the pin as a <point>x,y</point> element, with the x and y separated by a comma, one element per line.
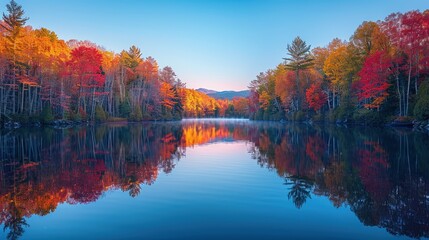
<point>62,123</point>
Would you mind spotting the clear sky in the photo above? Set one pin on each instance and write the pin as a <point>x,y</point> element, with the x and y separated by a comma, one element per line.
<point>218,44</point>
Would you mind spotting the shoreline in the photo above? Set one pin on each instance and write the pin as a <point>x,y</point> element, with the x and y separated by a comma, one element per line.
<point>65,124</point>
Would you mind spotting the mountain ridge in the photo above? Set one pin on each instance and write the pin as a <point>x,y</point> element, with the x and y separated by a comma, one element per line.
<point>227,94</point>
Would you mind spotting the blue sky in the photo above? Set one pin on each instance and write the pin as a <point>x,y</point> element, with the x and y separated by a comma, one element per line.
<point>213,44</point>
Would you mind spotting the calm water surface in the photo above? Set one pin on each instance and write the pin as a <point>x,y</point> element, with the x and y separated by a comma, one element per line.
<point>200,179</point>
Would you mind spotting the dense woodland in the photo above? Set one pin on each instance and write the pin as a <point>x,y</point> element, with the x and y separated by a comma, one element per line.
<point>381,74</point>
<point>43,78</point>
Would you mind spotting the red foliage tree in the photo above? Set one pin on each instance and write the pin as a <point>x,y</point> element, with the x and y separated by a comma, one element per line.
<point>373,84</point>
<point>409,34</point>
<point>85,64</point>
<point>85,69</point>
<point>315,96</point>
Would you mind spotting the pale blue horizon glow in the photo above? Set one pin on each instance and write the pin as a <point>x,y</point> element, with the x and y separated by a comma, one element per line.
<point>220,45</point>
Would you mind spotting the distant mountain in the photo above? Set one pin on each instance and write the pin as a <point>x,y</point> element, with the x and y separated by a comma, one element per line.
<point>229,94</point>
<point>206,91</point>
<point>224,94</point>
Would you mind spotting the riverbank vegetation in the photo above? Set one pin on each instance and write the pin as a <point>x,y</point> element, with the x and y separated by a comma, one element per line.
<point>380,75</point>
<point>44,78</point>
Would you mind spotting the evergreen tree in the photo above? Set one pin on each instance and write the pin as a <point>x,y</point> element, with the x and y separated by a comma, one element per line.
<point>13,22</point>
<point>299,59</point>
<point>421,110</point>
<point>133,57</point>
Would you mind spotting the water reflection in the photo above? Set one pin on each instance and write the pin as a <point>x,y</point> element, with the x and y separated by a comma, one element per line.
<point>381,175</point>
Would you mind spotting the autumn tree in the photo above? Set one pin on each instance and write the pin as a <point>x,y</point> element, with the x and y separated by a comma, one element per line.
<point>341,67</point>
<point>336,69</point>
<point>170,93</point>
<point>167,77</point>
<point>128,63</point>
<point>45,56</point>
<point>369,38</point>
<point>286,87</point>
<point>408,34</point>
<point>241,107</point>
<point>320,54</point>
<point>85,68</point>
<point>198,104</point>
<point>253,104</point>
<point>145,89</point>
<point>316,97</point>
<point>111,68</point>
<point>373,84</point>
<point>167,96</point>
<point>269,103</point>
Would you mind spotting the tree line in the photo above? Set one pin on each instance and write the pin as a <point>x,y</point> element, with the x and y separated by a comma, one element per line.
<point>381,74</point>
<point>43,78</point>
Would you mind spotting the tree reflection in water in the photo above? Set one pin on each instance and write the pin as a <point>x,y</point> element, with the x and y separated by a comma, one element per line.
<point>15,222</point>
<point>381,175</point>
<point>300,190</point>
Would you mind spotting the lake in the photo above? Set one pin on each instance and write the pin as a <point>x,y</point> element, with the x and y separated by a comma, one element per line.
<point>214,179</point>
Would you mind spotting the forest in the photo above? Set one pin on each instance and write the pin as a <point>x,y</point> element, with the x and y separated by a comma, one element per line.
<point>380,75</point>
<point>44,78</point>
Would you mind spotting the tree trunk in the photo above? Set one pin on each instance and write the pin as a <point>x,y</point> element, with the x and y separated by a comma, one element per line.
<point>122,85</point>
<point>408,90</point>
<point>21,107</point>
<point>93,104</point>
<point>298,92</point>
<point>30,101</point>
<point>417,74</point>
<point>329,99</point>
<point>62,98</point>
<point>399,94</point>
